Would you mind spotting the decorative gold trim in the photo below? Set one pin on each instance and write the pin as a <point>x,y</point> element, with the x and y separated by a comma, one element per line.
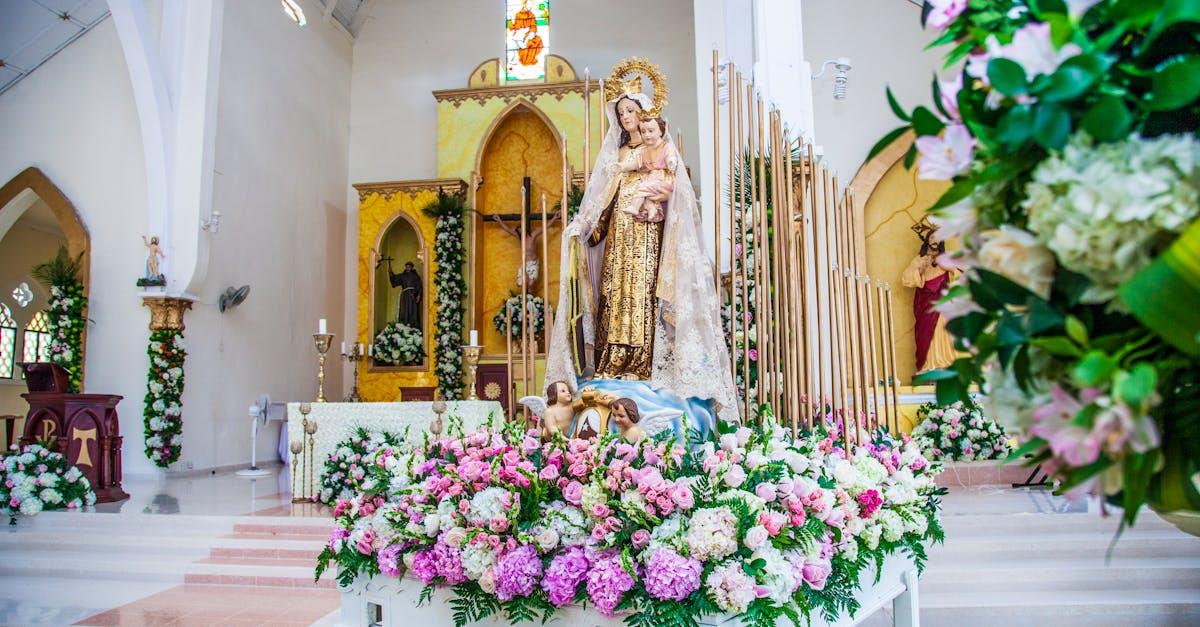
<point>508,92</point>
<point>388,189</point>
<point>481,80</point>
<point>615,84</point>
<point>554,62</point>
<point>166,312</point>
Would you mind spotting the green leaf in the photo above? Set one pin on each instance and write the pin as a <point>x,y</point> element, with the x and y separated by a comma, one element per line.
<point>1051,126</point>
<point>1058,346</point>
<point>1094,369</point>
<point>1008,291</point>
<point>1137,471</point>
<point>1010,332</point>
<point>1176,83</point>
<point>970,325</point>
<point>1016,126</point>
<point>1007,77</point>
<point>886,141</point>
<point>1173,12</point>
<point>1076,330</point>
<point>1108,119</point>
<point>957,192</point>
<point>1061,29</point>
<point>1028,448</point>
<point>1138,385</point>
<point>1073,78</point>
<point>950,391</point>
<point>925,122</point>
<point>896,108</point>
<point>1041,317</point>
<point>935,375</point>
<point>1068,287</point>
<point>1136,13</point>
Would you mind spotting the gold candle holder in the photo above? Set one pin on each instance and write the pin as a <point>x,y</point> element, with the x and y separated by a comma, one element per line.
<point>310,428</point>
<point>297,449</point>
<point>471,356</point>
<point>439,408</point>
<point>322,341</point>
<point>355,356</point>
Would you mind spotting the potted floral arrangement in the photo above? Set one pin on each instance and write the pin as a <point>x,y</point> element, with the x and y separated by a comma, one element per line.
<point>1070,137</point>
<point>753,523</point>
<point>67,311</point>
<point>515,315</point>
<point>345,470</point>
<point>34,479</point>
<point>959,432</point>
<point>398,344</point>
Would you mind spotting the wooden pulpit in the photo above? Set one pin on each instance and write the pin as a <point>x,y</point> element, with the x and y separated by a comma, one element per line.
<point>83,427</point>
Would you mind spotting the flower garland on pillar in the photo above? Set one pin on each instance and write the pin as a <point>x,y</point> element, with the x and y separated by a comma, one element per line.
<point>163,413</point>
<point>66,309</point>
<point>450,288</point>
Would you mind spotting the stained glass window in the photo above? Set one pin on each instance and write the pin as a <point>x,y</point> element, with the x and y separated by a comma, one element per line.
<point>526,39</point>
<point>37,339</point>
<point>8,342</point>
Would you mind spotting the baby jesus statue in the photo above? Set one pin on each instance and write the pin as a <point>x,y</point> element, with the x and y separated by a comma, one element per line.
<point>658,160</point>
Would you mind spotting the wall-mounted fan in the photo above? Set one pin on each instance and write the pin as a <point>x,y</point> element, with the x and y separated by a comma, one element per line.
<point>233,297</point>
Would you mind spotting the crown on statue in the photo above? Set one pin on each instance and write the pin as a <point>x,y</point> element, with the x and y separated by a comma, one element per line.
<point>626,80</point>
<point>924,229</point>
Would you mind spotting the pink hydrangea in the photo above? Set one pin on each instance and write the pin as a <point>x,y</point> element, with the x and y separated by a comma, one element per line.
<point>423,566</point>
<point>670,576</point>
<point>518,572</point>
<point>564,574</point>
<point>606,582</point>
<point>448,562</point>
<point>731,588</point>
<point>389,561</point>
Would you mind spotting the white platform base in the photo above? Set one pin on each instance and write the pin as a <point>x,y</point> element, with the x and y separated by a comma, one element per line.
<point>393,603</point>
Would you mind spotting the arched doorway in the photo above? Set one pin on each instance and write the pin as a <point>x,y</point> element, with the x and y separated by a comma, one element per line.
<point>521,143</point>
<point>36,219</point>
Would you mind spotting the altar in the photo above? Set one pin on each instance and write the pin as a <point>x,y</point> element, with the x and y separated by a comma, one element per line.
<point>337,421</point>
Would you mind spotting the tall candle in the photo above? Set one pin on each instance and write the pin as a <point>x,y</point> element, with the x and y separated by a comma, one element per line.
<point>344,348</point>
<point>371,351</point>
<point>474,337</point>
<point>321,328</point>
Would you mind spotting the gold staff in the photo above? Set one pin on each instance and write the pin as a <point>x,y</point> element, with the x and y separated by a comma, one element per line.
<point>729,71</point>
<point>715,201</point>
<point>548,323</point>
<point>587,125</point>
<point>743,270</point>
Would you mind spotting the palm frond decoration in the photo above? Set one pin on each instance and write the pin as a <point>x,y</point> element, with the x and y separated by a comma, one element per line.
<point>61,270</point>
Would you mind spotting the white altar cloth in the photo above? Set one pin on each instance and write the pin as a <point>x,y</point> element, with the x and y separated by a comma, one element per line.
<point>338,421</point>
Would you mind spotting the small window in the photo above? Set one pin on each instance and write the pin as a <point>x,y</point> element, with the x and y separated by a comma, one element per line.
<point>293,10</point>
<point>8,342</point>
<point>37,339</point>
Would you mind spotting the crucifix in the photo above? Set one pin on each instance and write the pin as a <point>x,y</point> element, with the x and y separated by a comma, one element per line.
<point>528,241</point>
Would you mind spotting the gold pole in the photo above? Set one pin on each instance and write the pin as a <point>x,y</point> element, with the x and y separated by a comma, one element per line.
<point>821,266</point>
<point>508,363</point>
<point>762,252</point>
<point>745,285</point>
<point>603,111</point>
<point>715,201</point>
<point>757,240</point>
<point>800,255</point>
<point>524,297</point>
<point>891,325</point>
<point>784,226</point>
<point>548,322</point>
<point>732,271</point>
<point>779,292</point>
<point>587,126</point>
<point>889,410</point>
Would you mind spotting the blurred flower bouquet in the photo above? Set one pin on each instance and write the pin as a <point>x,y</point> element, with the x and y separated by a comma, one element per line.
<point>346,469</point>
<point>958,432</point>
<point>752,523</point>
<point>398,344</point>
<point>34,478</point>
<point>512,313</point>
<point>1069,135</point>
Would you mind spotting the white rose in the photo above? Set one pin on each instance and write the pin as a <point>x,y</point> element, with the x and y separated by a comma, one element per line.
<point>755,537</point>
<point>1016,254</point>
<point>547,540</point>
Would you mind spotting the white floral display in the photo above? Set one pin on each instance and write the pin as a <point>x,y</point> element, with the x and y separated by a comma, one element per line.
<point>34,478</point>
<point>398,344</point>
<point>163,412</point>
<point>959,432</point>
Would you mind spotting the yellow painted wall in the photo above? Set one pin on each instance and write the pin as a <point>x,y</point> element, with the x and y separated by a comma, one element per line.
<point>376,212</point>
<point>898,202</point>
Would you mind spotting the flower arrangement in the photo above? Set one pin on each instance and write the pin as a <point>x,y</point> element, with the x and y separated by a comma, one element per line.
<point>34,478</point>
<point>516,315</point>
<point>346,469</point>
<point>959,432</point>
<point>398,344</point>
<point>450,288</point>
<point>752,523</point>
<point>67,312</point>
<point>163,411</point>
<point>1070,139</point>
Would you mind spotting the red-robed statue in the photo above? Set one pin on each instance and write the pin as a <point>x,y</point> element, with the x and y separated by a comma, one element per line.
<point>935,348</point>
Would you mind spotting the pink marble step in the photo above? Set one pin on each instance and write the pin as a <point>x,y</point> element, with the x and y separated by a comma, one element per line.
<point>267,537</point>
<point>260,580</point>
<point>259,553</point>
<point>303,562</point>
<point>284,529</point>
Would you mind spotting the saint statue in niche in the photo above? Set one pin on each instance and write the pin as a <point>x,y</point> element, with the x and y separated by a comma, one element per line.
<point>409,282</point>
<point>935,348</point>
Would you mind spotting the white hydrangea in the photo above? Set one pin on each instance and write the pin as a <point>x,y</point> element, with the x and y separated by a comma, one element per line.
<point>712,534</point>
<point>50,497</point>
<point>477,559</point>
<point>777,574</point>
<point>892,524</point>
<point>488,504</point>
<point>1107,210</point>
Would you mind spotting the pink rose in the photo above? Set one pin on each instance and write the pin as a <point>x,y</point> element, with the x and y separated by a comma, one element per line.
<point>815,573</point>
<point>766,492</point>
<point>735,477</point>
<point>573,493</point>
<point>641,538</point>
<point>682,495</point>
<point>549,473</point>
<point>600,510</point>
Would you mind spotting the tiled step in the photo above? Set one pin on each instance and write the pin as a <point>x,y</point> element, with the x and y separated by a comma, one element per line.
<point>1031,575</point>
<point>1020,524</point>
<point>291,576</point>
<point>33,563</point>
<point>1082,608</point>
<point>988,549</point>
<point>309,554</point>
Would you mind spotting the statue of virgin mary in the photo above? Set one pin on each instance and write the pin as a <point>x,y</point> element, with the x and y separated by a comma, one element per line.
<point>637,299</point>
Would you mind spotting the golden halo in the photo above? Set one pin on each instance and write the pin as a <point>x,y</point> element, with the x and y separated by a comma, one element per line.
<point>617,84</point>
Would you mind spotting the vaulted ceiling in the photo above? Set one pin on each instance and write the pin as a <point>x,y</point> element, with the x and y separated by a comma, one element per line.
<point>32,31</point>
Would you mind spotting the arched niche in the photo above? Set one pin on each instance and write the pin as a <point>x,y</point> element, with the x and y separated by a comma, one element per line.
<point>36,218</point>
<point>521,141</point>
<point>400,242</point>
<point>892,198</point>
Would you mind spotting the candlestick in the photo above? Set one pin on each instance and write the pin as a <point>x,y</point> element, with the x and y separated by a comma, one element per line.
<point>310,427</point>
<point>321,327</point>
<point>322,341</point>
<point>297,449</point>
<point>471,356</point>
<point>354,356</point>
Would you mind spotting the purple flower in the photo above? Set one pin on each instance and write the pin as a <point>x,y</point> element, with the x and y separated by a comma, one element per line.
<point>423,566</point>
<point>518,572</point>
<point>670,576</point>
<point>448,561</point>
<point>942,13</point>
<point>606,582</point>
<point>563,575</point>
<point>389,561</point>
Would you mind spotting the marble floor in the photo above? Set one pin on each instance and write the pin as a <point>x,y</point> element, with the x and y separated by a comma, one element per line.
<point>220,549</point>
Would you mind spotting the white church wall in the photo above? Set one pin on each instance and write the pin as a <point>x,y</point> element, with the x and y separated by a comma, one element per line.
<point>74,118</point>
<point>885,43</point>
<point>280,181</point>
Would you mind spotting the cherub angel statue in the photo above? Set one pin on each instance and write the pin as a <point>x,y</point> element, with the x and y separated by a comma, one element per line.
<point>555,412</point>
<point>634,427</point>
